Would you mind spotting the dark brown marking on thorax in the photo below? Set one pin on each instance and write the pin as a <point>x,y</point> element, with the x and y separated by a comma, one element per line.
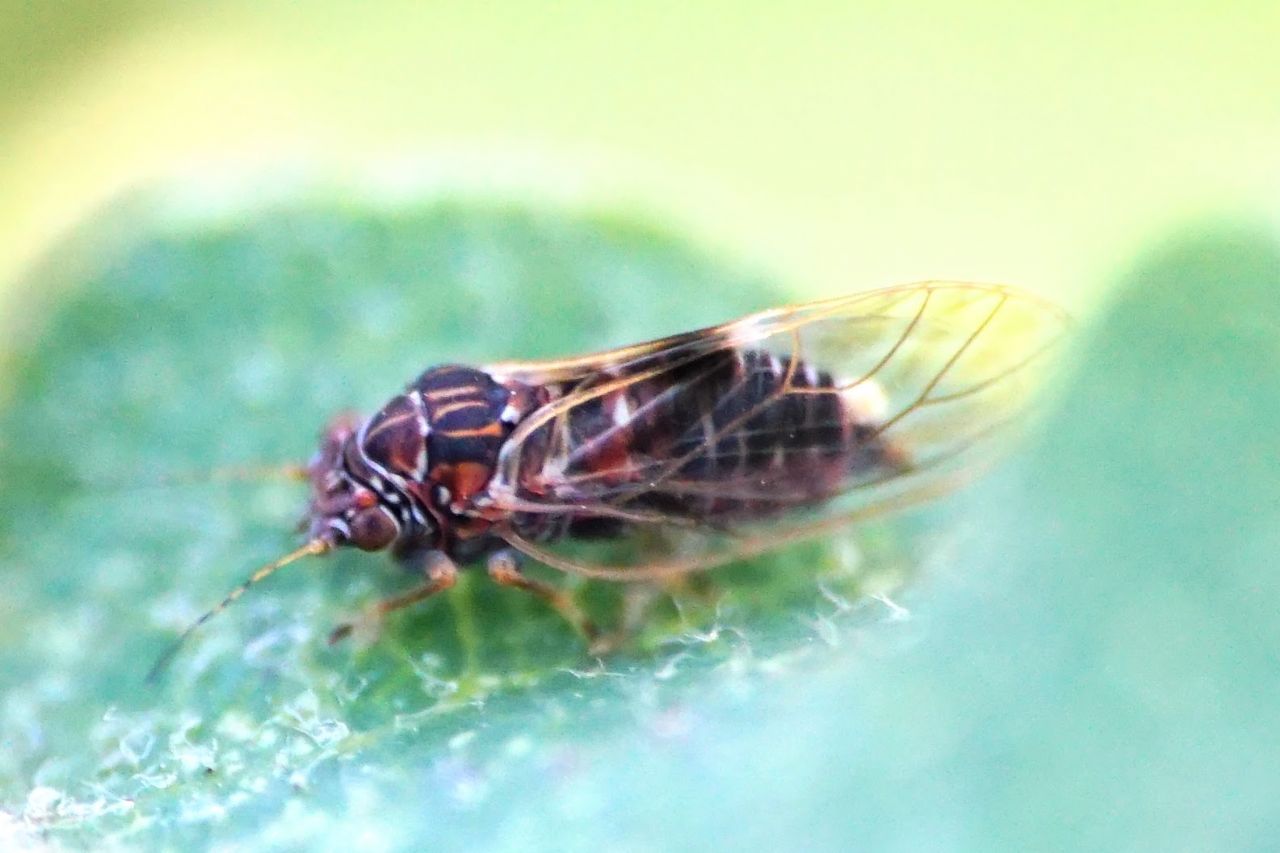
<point>393,438</point>
<point>464,409</point>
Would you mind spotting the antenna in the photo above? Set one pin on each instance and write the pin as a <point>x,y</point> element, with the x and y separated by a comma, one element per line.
<point>240,474</point>
<point>228,474</point>
<point>314,547</point>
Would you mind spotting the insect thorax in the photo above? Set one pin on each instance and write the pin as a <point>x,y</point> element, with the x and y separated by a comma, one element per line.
<point>694,442</point>
<point>424,456</point>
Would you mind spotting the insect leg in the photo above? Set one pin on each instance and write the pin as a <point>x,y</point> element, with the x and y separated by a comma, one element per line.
<point>638,601</point>
<point>441,573</point>
<point>504,568</point>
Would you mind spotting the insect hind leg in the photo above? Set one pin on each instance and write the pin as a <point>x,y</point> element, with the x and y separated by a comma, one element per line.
<point>441,574</point>
<point>504,568</point>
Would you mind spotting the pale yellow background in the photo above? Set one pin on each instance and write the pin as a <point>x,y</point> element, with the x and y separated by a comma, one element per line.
<point>836,145</point>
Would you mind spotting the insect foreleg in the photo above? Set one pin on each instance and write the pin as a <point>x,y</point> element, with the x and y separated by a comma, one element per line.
<point>441,574</point>
<point>504,568</point>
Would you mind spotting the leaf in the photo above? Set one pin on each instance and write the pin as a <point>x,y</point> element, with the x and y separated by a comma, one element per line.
<point>1098,661</point>
<point>188,349</point>
<point>1090,660</point>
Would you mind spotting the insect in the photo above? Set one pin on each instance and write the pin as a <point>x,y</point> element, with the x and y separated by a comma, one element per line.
<point>726,441</point>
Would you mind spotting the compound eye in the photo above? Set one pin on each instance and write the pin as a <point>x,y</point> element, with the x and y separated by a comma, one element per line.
<point>373,529</point>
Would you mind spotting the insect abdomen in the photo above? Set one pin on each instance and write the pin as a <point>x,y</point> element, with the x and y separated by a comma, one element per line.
<point>727,436</point>
<point>776,435</point>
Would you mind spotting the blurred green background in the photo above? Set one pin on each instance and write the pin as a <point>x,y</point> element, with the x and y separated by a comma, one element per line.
<point>298,206</point>
<point>841,144</point>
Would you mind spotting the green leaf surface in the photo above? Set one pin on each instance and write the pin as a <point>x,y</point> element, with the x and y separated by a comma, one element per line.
<point>195,348</point>
<point>1089,661</point>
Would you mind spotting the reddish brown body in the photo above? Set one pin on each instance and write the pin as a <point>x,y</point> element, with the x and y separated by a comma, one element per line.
<point>735,439</point>
<point>715,427</point>
<point>431,454</point>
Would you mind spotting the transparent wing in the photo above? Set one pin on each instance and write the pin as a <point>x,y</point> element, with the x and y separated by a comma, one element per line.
<point>782,425</point>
